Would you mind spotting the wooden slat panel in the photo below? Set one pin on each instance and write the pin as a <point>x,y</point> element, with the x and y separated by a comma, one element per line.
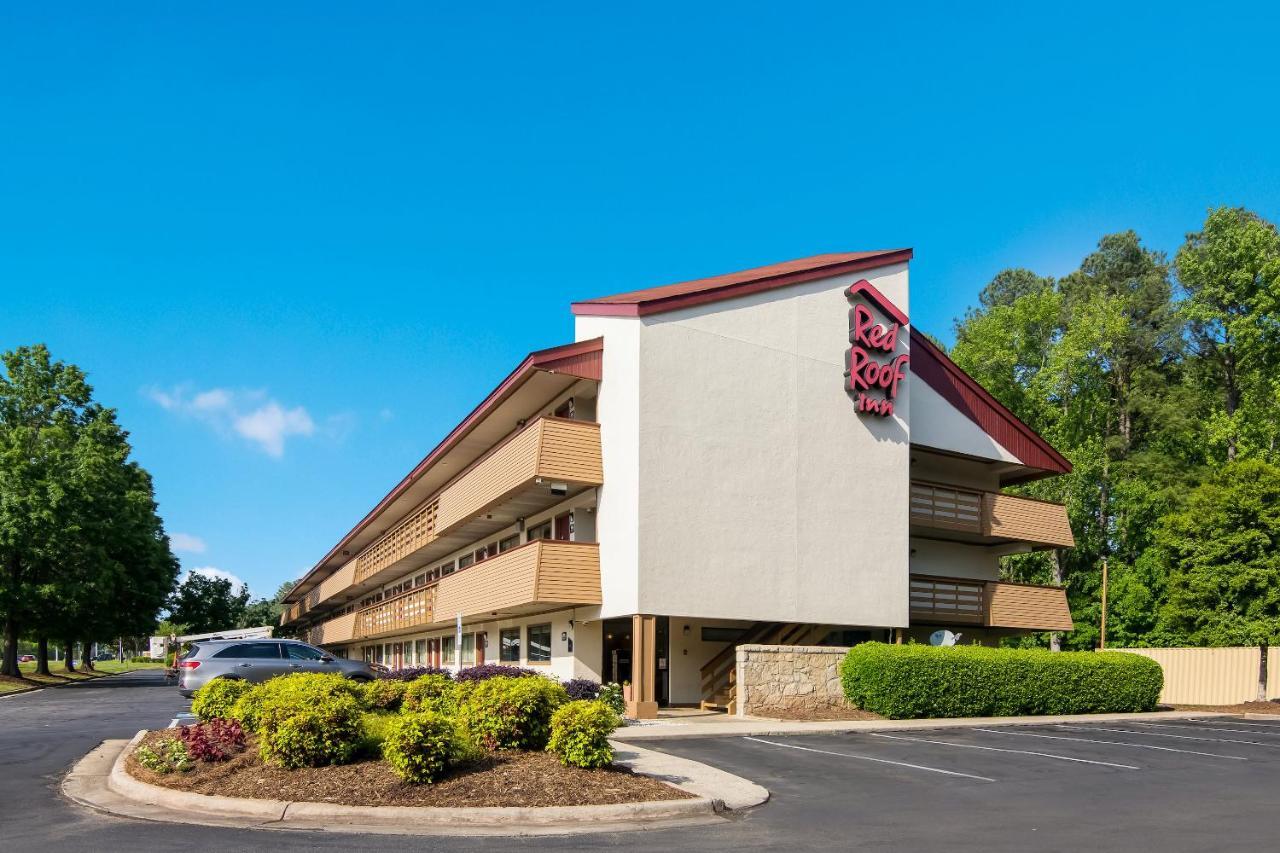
<point>1012,517</point>
<point>948,600</point>
<point>507,580</point>
<point>571,451</point>
<point>411,610</point>
<point>569,572</point>
<point>946,507</point>
<point>1031,608</point>
<point>335,630</point>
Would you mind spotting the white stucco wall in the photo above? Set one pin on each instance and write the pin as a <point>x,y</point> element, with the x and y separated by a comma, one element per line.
<point>939,424</point>
<point>953,560</point>
<point>618,503</point>
<point>761,493</point>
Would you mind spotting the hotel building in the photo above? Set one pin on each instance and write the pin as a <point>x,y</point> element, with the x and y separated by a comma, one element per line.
<point>773,455</point>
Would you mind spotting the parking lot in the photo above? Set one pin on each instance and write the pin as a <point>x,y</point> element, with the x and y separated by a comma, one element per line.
<point>1172,786</point>
<point>1205,784</point>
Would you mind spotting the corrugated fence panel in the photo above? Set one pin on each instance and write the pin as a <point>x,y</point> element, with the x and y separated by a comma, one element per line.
<point>1224,676</point>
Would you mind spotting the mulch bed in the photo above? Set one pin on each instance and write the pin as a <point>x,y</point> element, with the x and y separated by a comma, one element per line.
<point>1242,708</point>
<point>501,779</point>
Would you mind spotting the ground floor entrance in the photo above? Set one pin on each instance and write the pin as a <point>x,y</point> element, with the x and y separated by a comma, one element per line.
<point>620,654</point>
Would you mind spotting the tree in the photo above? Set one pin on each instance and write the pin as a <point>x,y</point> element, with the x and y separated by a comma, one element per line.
<point>1224,579</point>
<point>266,611</point>
<point>206,604</point>
<point>1230,272</point>
<point>43,403</point>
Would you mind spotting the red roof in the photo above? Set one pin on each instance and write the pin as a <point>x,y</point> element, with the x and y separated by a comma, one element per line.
<point>668,297</point>
<point>961,390</point>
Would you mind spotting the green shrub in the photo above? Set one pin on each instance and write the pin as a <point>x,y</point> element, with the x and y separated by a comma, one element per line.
<point>383,694</point>
<point>216,699</point>
<point>972,681</point>
<point>611,695</point>
<point>580,733</point>
<point>421,746</point>
<point>248,707</point>
<point>305,720</point>
<point>168,755</point>
<point>291,691</point>
<point>433,692</point>
<point>510,713</point>
<point>373,732</point>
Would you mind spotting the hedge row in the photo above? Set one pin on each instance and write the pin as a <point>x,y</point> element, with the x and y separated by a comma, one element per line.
<point>911,681</point>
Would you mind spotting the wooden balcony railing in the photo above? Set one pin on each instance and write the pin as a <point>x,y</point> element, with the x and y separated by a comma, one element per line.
<point>544,572</point>
<point>554,449</point>
<point>990,604</point>
<point>337,630</point>
<point>410,610</point>
<point>990,515</point>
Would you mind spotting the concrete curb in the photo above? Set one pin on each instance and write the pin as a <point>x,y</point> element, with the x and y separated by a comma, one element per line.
<point>756,727</point>
<point>732,792</point>
<point>100,781</point>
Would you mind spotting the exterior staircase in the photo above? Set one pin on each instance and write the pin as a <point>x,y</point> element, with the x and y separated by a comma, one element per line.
<point>720,674</point>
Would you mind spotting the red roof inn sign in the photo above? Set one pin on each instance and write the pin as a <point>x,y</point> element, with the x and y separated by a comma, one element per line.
<point>872,372</point>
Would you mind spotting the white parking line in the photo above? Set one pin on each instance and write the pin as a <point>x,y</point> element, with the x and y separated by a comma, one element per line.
<point>876,760</point>
<point>1201,728</point>
<point>1238,723</point>
<point>1013,751</point>
<point>1165,734</point>
<point>1114,743</point>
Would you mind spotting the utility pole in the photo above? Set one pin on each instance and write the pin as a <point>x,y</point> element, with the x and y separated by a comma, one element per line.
<point>1102,644</point>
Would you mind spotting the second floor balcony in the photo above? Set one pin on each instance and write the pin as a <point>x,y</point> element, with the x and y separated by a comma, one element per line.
<point>542,574</point>
<point>979,517</point>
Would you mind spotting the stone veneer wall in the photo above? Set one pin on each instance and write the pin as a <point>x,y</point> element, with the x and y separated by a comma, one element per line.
<point>789,680</point>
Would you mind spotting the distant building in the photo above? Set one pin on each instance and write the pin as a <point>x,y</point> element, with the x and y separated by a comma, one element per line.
<point>158,643</point>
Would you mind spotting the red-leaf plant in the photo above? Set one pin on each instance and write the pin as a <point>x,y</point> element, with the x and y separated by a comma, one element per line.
<point>216,740</point>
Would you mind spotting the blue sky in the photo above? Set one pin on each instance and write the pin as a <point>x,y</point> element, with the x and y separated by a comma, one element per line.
<point>293,243</point>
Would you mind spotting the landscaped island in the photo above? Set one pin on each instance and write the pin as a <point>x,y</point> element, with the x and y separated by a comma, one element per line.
<point>492,736</point>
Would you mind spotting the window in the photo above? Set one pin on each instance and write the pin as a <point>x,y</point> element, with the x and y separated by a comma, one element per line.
<point>510,542</point>
<point>463,561</point>
<point>254,651</point>
<point>509,642</point>
<point>542,531</point>
<point>297,651</point>
<point>468,649</point>
<point>446,651</point>
<point>420,580</point>
<point>421,647</point>
<point>540,643</point>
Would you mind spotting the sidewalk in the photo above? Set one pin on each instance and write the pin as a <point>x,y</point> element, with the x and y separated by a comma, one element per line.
<point>704,724</point>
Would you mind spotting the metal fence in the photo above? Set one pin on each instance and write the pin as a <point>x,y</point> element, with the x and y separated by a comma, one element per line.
<point>1223,676</point>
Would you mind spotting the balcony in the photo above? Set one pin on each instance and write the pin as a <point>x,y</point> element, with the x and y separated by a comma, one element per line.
<point>517,474</point>
<point>537,576</point>
<point>337,630</point>
<point>969,515</point>
<point>988,604</point>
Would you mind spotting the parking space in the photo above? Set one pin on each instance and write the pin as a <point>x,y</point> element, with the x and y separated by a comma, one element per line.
<point>1176,785</point>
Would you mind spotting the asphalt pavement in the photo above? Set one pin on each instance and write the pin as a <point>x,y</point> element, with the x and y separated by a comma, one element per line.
<point>1177,786</point>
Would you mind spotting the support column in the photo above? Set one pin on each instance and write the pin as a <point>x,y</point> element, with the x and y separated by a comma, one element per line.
<point>643,704</point>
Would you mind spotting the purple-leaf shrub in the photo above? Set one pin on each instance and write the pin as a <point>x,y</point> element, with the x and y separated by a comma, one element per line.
<point>493,670</point>
<point>216,740</point>
<point>412,673</point>
<point>582,688</point>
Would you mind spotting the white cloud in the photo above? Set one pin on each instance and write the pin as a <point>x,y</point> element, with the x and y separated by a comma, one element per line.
<point>187,542</point>
<point>214,572</point>
<point>271,424</point>
<point>251,415</point>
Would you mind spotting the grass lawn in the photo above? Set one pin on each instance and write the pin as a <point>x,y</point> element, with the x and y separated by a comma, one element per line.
<point>61,676</point>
